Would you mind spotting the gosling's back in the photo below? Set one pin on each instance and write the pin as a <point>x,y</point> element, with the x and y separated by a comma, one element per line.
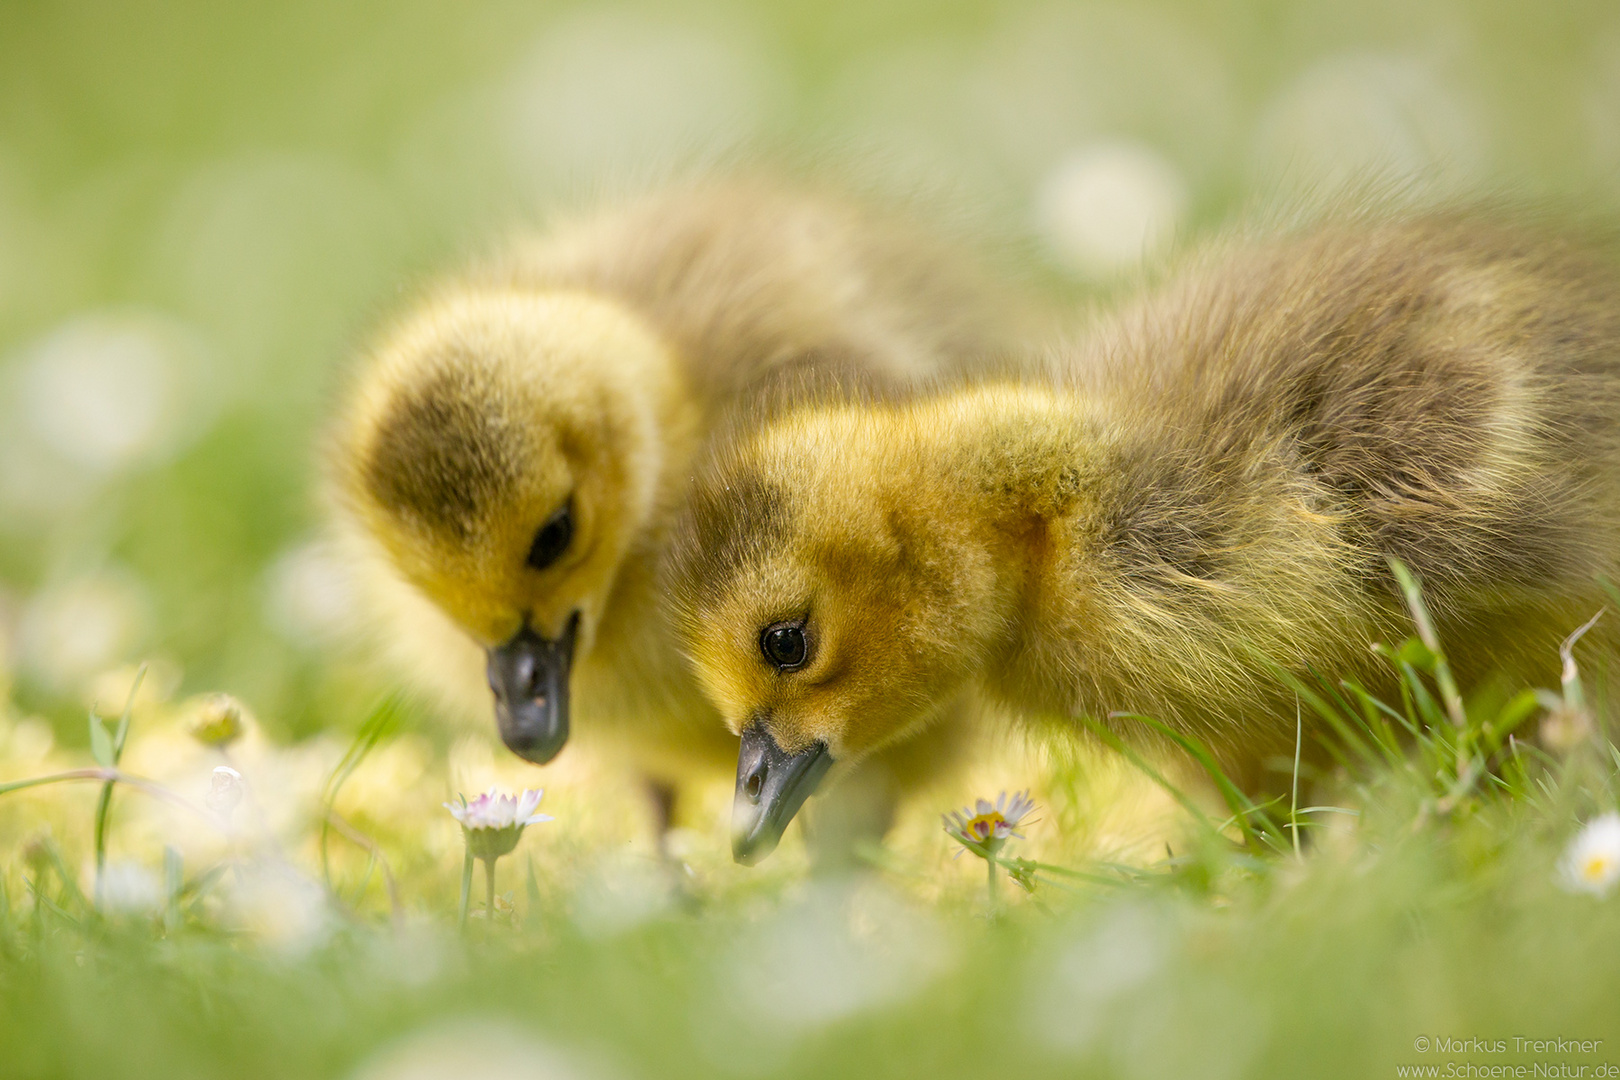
<point>1289,415</point>
<point>770,295</point>
<point>1451,387</point>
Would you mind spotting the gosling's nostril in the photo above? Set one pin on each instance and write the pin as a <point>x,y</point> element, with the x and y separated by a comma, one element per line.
<point>755,784</point>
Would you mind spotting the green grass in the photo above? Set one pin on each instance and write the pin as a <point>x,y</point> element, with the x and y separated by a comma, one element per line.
<point>261,179</point>
<point>1336,975</point>
<point>1425,907</point>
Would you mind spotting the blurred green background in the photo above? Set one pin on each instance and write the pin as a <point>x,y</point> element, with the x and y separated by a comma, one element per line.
<point>204,206</point>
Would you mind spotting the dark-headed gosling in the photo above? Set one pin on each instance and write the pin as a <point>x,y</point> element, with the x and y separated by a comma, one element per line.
<point>518,441</point>
<point>1210,485</point>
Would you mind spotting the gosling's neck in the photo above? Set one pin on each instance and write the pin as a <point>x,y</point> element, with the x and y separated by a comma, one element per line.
<point>1122,575</point>
<point>1005,472</point>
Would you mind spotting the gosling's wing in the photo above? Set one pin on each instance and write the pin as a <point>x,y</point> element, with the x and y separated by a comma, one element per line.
<point>1448,386</point>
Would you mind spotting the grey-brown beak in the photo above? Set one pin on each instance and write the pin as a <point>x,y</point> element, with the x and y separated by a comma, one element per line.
<point>771,786</point>
<point>529,675</point>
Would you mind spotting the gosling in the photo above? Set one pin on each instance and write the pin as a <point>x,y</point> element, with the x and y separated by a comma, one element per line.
<point>1210,485</point>
<point>514,452</point>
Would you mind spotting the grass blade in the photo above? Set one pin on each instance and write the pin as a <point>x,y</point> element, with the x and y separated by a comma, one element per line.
<point>379,723</point>
<point>1244,811</point>
<point>1115,743</point>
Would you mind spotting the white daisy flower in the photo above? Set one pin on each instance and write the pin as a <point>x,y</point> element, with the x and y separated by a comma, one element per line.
<point>983,828</point>
<point>1591,863</point>
<point>494,822</point>
<point>128,888</point>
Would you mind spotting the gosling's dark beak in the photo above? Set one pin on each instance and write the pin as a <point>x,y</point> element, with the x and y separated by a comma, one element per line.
<point>530,678</point>
<point>771,786</point>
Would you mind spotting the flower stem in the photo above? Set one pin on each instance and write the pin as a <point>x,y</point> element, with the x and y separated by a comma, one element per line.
<point>103,811</point>
<point>109,776</point>
<point>489,890</point>
<point>104,803</point>
<point>466,887</point>
<point>990,879</point>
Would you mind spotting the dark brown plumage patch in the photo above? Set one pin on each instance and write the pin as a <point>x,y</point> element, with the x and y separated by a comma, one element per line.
<point>442,454</point>
<point>1444,395</point>
<point>1167,523</point>
<point>735,517</point>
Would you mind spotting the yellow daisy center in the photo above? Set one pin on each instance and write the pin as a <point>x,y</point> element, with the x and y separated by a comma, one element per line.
<point>1597,867</point>
<point>983,826</point>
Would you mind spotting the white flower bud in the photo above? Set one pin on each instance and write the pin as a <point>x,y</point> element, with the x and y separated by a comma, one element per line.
<point>224,790</point>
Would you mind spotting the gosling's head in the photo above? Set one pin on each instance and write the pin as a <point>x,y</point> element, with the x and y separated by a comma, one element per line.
<point>502,451</point>
<point>824,604</point>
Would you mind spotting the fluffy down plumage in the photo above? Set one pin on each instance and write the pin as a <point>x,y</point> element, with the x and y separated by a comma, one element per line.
<point>588,372</point>
<point>1209,482</point>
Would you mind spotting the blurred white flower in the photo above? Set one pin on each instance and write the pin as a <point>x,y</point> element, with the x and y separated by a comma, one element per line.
<point>620,892</point>
<point>27,742</point>
<point>1104,207</point>
<point>109,389</point>
<point>224,790</point>
<point>1591,863</point>
<point>416,952</point>
<point>1073,1002</point>
<point>282,791</point>
<point>840,951</point>
<point>72,630</point>
<point>128,888</point>
<point>310,593</point>
<point>279,905</point>
<point>493,823</point>
<point>471,1048</point>
<point>983,828</point>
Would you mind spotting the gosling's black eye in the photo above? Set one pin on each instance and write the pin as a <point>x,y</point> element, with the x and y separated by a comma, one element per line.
<point>783,645</point>
<point>552,539</point>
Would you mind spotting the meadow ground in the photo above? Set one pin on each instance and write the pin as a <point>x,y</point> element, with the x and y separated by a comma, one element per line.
<point>204,209</point>
<point>1447,912</point>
